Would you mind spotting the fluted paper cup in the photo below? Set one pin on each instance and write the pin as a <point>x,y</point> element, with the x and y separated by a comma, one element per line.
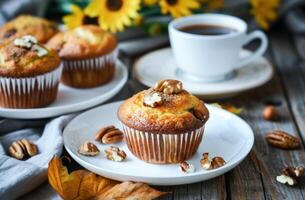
<point>88,73</point>
<point>30,92</point>
<point>160,148</point>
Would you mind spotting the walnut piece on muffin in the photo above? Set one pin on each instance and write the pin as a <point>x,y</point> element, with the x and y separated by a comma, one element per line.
<point>163,124</point>
<point>22,25</point>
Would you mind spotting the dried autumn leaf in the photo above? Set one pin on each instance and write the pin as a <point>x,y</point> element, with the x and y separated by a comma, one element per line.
<point>228,107</point>
<point>85,185</point>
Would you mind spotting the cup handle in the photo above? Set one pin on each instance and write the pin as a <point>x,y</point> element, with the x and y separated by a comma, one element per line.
<point>258,52</point>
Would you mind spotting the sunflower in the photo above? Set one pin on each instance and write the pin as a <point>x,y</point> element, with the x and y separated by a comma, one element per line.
<point>76,17</point>
<point>113,15</point>
<point>265,11</point>
<point>213,4</point>
<point>178,8</point>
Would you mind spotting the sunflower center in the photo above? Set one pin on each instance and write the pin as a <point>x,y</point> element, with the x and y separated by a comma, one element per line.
<point>172,2</point>
<point>114,5</point>
<point>90,20</point>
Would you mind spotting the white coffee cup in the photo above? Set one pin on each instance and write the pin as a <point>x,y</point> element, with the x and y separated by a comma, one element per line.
<point>211,58</point>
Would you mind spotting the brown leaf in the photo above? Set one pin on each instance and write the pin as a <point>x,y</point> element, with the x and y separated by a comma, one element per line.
<point>85,185</point>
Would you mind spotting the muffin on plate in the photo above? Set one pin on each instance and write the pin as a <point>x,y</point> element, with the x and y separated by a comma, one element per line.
<point>29,74</point>
<point>163,124</point>
<point>88,54</point>
<point>38,27</point>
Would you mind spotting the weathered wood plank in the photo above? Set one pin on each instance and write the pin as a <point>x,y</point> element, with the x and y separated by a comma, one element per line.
<point>292,73</point>
<point>264,160</point>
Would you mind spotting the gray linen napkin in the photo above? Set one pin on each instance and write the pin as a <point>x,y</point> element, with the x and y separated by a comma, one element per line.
<point>19,177</point>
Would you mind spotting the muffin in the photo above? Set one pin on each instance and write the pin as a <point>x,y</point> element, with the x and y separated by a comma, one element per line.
<point>88,54</point>
<point>40,28</point>
<point>29,74</point>
<point>163,124</point>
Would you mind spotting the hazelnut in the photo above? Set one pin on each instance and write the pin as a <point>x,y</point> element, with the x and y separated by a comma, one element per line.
<point>270,113</point>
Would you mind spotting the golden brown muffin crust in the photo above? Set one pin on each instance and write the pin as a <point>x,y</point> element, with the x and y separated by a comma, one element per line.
<point>175,115</point>
<point>42,29</point>
<point>17,61</point>
<point>83,42</point>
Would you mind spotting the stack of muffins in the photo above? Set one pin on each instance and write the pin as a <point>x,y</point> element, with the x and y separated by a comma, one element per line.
<point>35,57</point>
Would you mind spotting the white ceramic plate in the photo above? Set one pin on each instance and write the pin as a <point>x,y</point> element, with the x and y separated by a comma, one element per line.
<point>72,100</point>
<point>226,135</point>
<point>160,64</point>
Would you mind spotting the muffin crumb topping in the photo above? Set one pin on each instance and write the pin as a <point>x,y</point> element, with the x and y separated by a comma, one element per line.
<point>28,42</point>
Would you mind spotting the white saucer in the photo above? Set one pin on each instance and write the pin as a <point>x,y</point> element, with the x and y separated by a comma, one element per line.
<point>160,64</point>
<point>72,100</point>
<point>226,135</point>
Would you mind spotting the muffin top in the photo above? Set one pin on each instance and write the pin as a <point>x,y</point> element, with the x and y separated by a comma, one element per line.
<point>83,42</point>
<point>42,29</point>
<point>26,57</point>
<point>166,108</point>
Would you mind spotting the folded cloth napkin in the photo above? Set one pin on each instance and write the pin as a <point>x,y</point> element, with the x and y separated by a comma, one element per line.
<point>19,177</point>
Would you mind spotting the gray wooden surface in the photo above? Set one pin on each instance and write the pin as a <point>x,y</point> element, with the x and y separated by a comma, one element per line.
<point>254,178</point>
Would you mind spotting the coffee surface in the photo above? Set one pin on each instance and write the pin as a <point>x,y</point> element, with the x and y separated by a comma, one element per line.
<point>204,29</point>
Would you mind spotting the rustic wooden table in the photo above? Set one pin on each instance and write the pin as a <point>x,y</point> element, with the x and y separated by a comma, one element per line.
<point>254,178</point>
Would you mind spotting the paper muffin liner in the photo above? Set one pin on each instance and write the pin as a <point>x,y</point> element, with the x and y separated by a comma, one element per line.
<point>88,73</point>
<point>30,92</point>
<point>162,148</point>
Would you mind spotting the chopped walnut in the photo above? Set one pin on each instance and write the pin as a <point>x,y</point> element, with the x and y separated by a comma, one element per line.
<point>152,99</point>
<point>88,149</point>
<point>208,163</point>
<point>186,167</point>
<point>115,154</point>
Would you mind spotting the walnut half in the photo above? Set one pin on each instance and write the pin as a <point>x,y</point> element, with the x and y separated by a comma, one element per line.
<point>169,86</point>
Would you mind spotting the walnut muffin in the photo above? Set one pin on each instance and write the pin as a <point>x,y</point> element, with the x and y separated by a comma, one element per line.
<point>38,27</point>
<point>88,54</point>
<point>29,73</point>
<point>164,124</point>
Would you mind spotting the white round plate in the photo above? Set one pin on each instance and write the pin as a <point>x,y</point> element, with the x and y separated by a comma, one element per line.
<point>72,100</point>
<point>226,135</point>
<point>160,64</point>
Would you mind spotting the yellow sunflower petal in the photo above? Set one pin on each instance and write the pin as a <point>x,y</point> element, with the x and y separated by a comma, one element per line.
<point>75,18</point>
<point>178,8</point>
<point>264,11</point>
<point>94,8</point>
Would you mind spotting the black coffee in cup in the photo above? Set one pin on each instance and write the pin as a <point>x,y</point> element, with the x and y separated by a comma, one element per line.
<point>207,29</point>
